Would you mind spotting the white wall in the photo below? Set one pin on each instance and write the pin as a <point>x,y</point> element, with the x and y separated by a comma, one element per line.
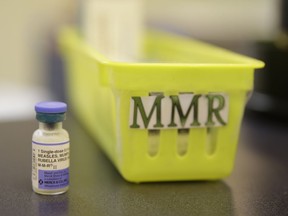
<point>27,25</point>
<point>25,28</point>
<point>218,19</point>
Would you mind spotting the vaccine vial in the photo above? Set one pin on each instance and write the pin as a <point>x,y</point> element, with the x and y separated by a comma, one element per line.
<point>50,150</point>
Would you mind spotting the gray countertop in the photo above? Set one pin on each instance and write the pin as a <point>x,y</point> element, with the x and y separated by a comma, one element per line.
<point>257,186</point>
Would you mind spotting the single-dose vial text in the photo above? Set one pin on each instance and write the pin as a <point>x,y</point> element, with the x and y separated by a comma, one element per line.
<point>50,150</point>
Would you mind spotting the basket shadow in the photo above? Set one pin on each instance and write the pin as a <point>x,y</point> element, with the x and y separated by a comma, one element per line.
<point>95,178</point>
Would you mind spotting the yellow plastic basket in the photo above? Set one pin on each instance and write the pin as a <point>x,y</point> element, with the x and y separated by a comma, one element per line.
<point>103,95</point>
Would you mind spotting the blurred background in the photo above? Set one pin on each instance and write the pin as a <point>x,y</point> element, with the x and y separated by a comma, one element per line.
<point>31,69</point>
<point>28,34</point>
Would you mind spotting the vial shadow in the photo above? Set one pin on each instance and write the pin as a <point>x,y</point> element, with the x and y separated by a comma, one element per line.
<point>49,205</point>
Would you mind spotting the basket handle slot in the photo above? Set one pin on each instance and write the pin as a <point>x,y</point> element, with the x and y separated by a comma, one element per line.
<point>183,137</point>
<point>211,142</point>
<point>154,135</point>
<point>153,142</point>
<point>182,143</point>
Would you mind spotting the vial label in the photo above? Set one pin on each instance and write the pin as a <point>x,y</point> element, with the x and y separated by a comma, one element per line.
<point>50,165</point>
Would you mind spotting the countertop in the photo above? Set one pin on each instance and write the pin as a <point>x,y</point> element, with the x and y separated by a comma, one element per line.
<point>257,186</point>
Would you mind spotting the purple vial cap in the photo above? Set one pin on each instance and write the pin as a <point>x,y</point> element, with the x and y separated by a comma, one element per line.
<point>51,107</point>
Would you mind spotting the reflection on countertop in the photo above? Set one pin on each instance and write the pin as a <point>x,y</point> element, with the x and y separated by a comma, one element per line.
<point>257,186</point>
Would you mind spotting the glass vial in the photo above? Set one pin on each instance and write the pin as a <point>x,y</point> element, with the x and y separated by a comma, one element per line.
<point>50,150</point>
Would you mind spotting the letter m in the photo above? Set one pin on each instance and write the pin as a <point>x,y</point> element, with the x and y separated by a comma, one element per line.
<point>138,106</point>
<point>176,107</point>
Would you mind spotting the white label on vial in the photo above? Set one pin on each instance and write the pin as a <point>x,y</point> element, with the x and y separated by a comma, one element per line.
<point>50,165</point>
